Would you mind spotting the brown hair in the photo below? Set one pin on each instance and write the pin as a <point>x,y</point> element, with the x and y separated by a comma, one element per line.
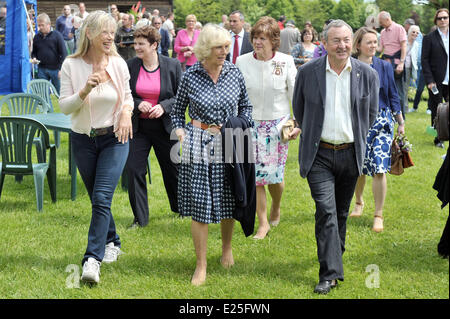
<point>148,32</point>
<point>357,38</point>
<point>310,30</point>
<point>269,27</point>
<point>439,11</point>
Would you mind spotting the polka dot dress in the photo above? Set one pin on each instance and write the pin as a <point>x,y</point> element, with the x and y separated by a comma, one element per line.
<point>203,191</point>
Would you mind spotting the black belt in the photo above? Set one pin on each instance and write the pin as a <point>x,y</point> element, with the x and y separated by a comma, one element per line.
<point>101,131</point>
<point>336,147</point>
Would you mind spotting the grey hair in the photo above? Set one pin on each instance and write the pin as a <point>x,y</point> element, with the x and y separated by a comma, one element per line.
<point>241,15</point>
<point>335,24</point>
<point>409,21</point>
<point>44,18</point>
<point>384,15</point>
<point>412,28</point>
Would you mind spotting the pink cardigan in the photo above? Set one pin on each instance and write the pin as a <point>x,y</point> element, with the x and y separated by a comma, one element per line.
<point>182,40</point>
<point>74,75</point>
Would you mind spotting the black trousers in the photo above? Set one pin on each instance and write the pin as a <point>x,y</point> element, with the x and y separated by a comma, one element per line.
<point>151,133</point>
<point>332,181</point>
<point>434,100</point>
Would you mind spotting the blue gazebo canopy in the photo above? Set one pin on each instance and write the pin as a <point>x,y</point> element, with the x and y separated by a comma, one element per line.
<point>15,67</point>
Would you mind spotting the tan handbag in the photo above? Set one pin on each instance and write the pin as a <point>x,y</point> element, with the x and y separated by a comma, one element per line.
<point>396,159</point>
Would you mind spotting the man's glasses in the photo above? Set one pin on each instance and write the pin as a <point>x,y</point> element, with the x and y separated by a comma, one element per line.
<point>442,18</point>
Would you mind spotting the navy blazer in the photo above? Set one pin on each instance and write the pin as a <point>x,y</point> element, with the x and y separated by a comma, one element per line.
<point>165,42</point>
<point>170,71</point>
<point>247,46</point>
<point>309,107</point>
<point>388,90</point>
<point>239,162</point>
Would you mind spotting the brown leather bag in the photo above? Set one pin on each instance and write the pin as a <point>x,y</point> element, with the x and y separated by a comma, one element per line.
<point>396,159</point>
<point>441,122</point>
<point>407,159</point>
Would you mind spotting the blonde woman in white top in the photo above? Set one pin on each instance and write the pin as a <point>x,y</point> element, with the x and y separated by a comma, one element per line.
<point>269,78</point>
<point>95,91</point>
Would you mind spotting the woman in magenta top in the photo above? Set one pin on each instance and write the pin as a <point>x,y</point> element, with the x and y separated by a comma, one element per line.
<point>154,81</point>
<point>185,41</point>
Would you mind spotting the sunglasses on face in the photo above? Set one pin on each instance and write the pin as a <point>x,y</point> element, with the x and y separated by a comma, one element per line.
<point>442,18</point>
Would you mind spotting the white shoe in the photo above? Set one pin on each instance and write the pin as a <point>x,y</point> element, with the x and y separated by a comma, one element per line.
<point>91,271</point>
<point>111,253</point>
<point>428,111</point>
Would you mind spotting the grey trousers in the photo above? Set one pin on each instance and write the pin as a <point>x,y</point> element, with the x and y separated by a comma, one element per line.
<point>332,181</point>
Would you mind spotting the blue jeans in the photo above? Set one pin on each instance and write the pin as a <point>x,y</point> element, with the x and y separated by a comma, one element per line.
<point>399,83</point>
<point>100,161</point>
<point>332,181</point>
<point>50,75</point>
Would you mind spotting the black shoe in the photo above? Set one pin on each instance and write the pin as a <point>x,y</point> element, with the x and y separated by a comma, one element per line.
<point>134,225</point>
<point>324,287</point>
<point>439,145</point>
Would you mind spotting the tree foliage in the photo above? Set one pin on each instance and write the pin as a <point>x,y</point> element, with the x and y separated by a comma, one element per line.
<point>354,12</point>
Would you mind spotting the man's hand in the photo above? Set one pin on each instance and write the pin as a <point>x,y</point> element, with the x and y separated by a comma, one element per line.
<point>399,68</point>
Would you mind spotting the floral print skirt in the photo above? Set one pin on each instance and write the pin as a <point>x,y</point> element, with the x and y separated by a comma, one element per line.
<point>378,145</point>
<point>270,152</point>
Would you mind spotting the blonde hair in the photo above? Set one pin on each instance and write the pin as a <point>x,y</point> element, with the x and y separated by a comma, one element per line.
<point>211,36</point>
<point>191,16</point>
<point>95,23</point>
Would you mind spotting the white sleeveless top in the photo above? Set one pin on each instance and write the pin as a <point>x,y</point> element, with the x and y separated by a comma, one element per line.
<point>102,101</point>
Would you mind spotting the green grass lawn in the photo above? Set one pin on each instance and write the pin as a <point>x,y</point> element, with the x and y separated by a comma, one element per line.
<point>40,253</point>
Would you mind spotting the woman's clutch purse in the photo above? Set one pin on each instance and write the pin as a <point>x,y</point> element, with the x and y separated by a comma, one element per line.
<point>286,129</point>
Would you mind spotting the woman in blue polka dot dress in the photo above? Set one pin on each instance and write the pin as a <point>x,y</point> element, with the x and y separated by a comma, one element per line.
<point>215,90</point>
<point>379,139</point>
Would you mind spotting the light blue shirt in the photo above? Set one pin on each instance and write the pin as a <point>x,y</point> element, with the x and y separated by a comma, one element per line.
<point>444,38</point>
<point>419,41</point>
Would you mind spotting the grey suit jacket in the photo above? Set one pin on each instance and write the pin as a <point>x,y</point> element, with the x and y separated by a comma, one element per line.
<point>309,107</point>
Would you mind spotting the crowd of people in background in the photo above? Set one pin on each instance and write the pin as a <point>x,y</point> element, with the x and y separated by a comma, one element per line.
<point>224,70</point>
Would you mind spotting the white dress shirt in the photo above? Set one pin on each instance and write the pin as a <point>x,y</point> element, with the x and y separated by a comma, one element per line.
<point>445,39</point>
<point>240,40</point>
<point>337,123</point>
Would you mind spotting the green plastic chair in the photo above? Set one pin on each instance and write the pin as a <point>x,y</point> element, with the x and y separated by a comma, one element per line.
<point>16,145</point>
<point>26,103</point>
<point>45,89</point>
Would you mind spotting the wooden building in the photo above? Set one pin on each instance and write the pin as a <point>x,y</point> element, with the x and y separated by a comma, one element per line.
<point>55,8</point>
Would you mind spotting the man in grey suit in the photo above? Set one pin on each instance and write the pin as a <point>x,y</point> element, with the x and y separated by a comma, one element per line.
<point>240,40</point>
<point>335,103</point>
